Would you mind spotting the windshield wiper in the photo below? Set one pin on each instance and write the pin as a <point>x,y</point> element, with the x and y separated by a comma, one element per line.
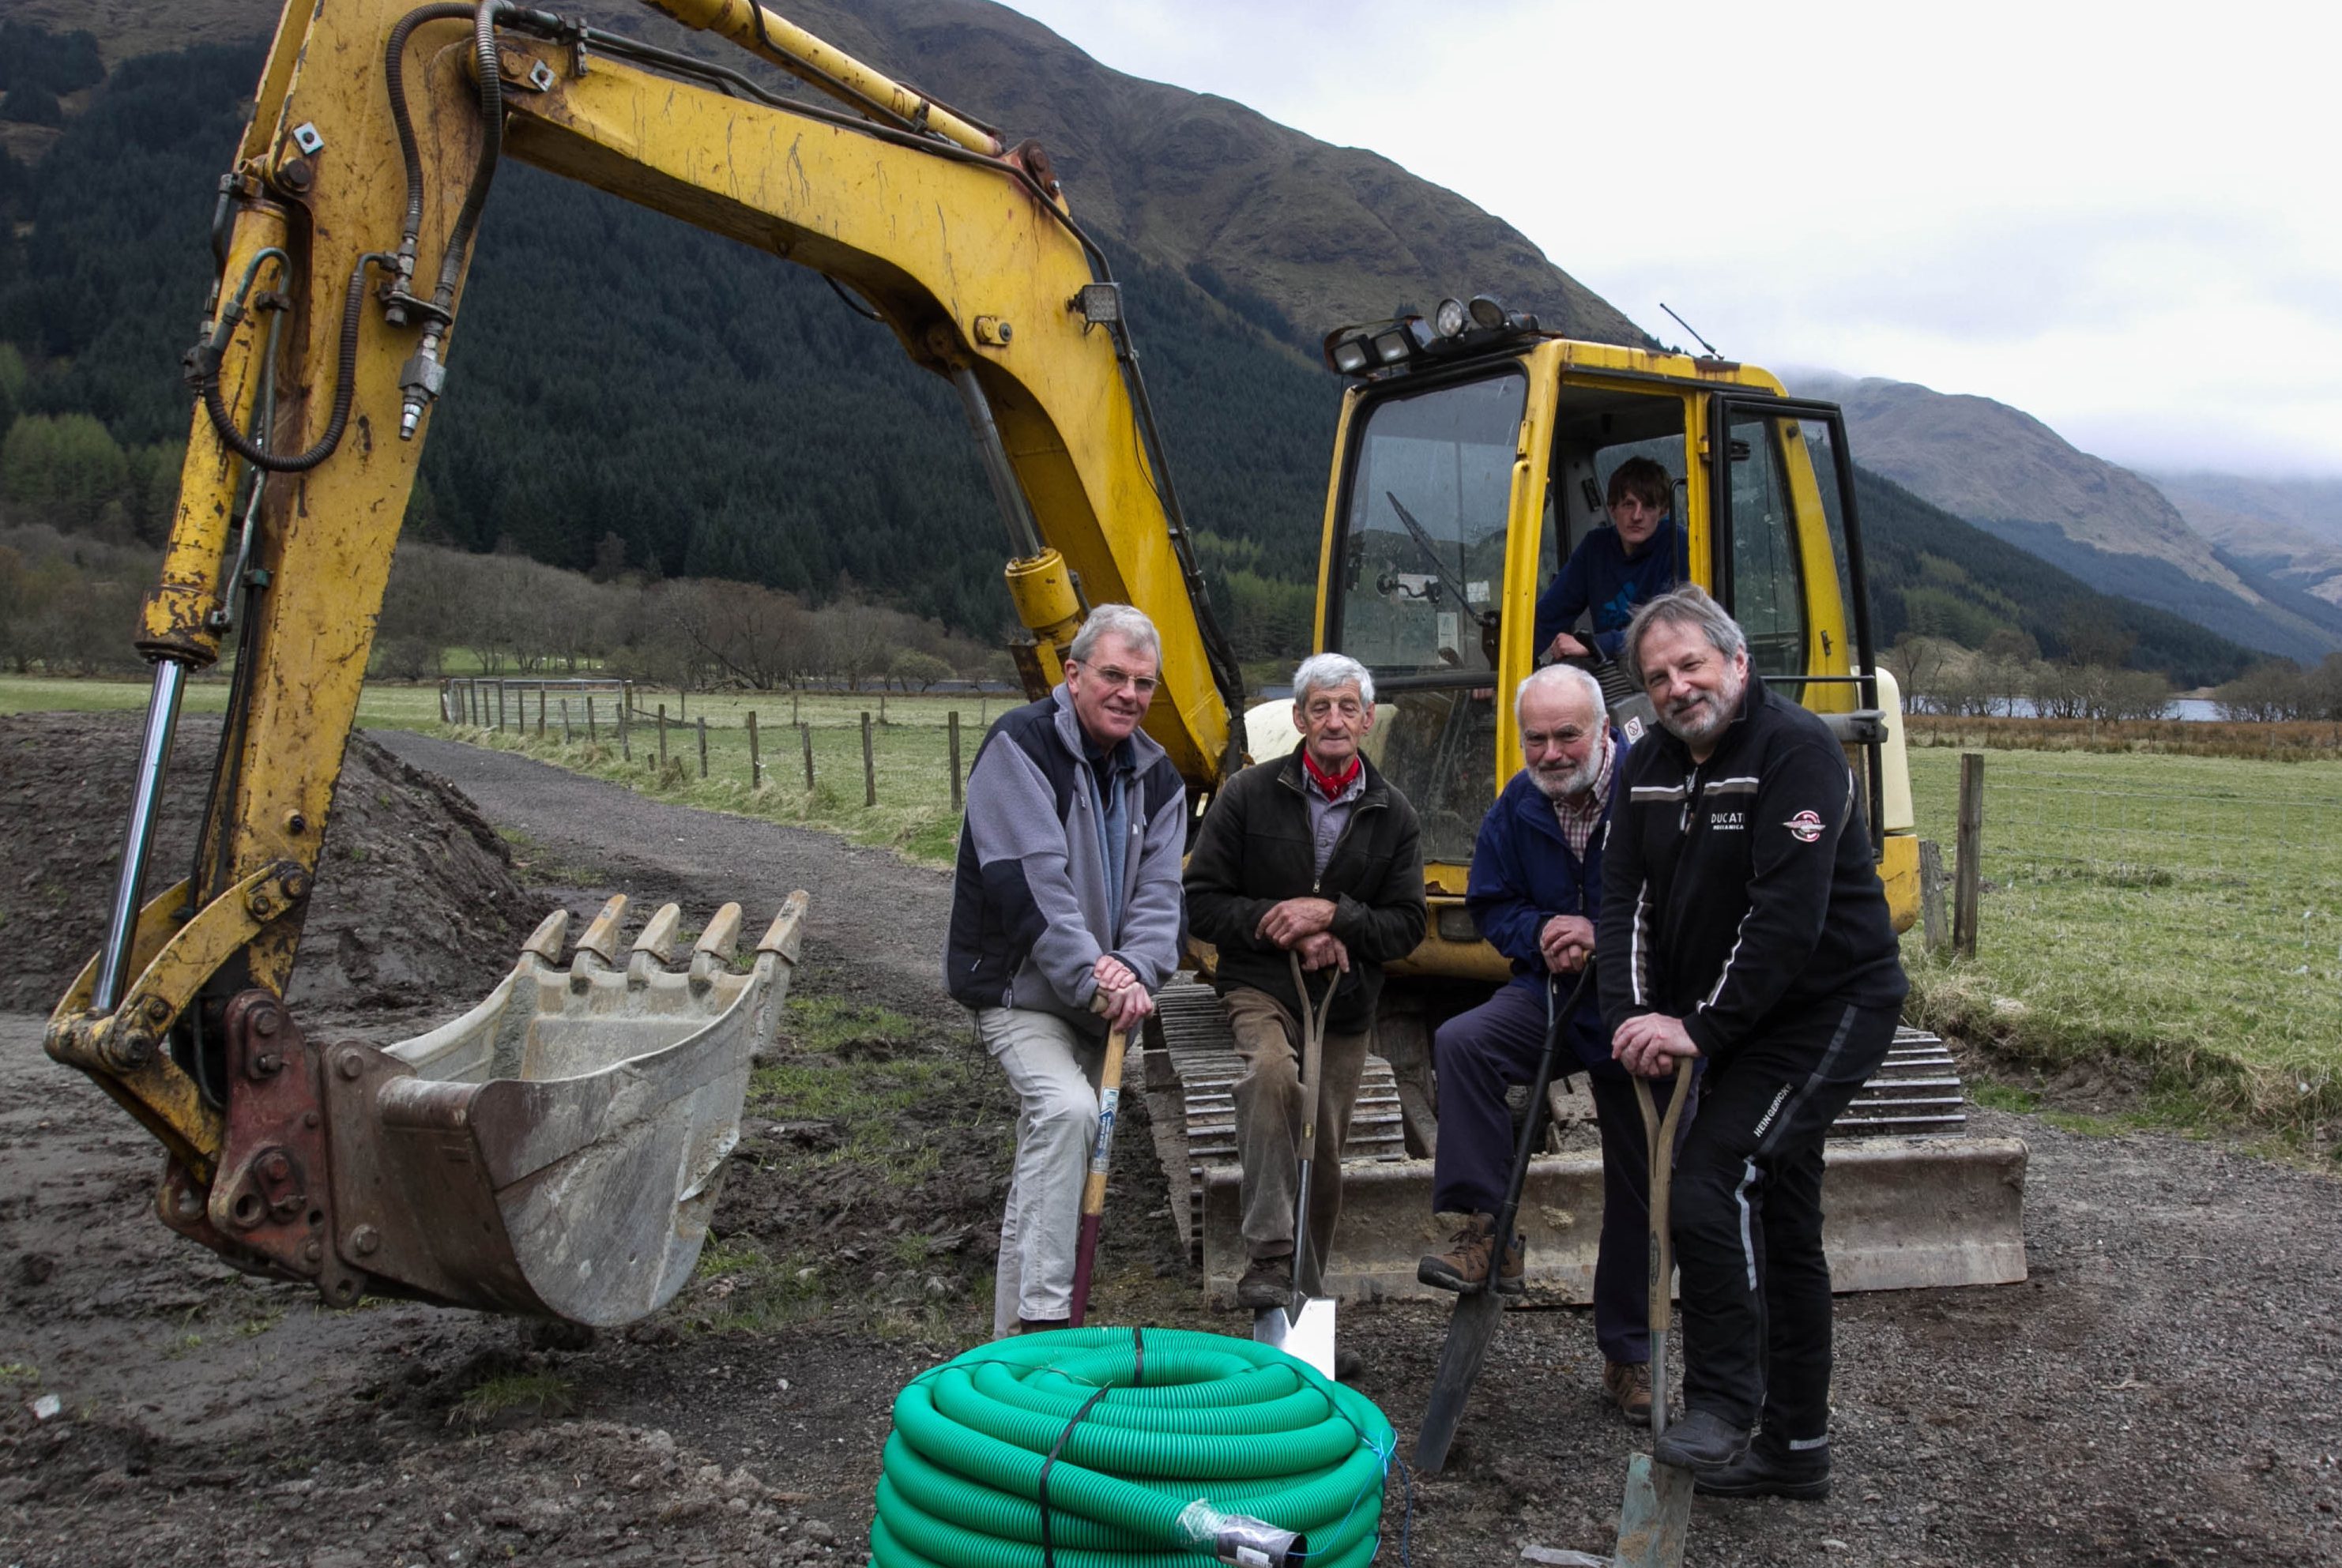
<point>1424,542</point>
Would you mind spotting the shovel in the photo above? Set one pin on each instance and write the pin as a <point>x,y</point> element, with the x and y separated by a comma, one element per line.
<point>1474,1323</point>
<point>1657,1513</point>
<point>1101,1160</point>
<point>1304,1327</point>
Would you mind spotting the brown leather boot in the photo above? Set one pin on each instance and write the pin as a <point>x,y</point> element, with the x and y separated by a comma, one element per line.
<point>1464,1266</point>
<point>1628,1385</point>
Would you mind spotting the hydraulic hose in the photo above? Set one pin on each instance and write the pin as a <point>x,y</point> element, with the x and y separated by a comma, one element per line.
<point>1129,1448</point>
<point>394,73</point>
<point>203,370</point>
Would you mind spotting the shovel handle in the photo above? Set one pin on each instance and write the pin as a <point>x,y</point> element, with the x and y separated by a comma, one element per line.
<point>1101,1160</point>
<point>1660,1135</point>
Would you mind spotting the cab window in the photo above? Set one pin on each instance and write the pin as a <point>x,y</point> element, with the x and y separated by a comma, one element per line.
<point>1765,588</point>
<point>1419,586</point>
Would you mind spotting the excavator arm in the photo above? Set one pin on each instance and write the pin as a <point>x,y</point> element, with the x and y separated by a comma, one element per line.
<point>501,1161</point>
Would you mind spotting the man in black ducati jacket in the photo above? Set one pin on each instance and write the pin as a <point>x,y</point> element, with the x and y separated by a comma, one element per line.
<point>1743,921</point>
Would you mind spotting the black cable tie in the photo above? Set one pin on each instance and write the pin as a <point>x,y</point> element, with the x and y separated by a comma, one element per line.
<point>1137,1356</point>
<point>1049,1548</point>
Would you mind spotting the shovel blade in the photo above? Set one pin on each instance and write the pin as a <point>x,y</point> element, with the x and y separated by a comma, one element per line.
<point>1655,1516</point>
<point>1306,1335</point>
<point>1469,1331</point>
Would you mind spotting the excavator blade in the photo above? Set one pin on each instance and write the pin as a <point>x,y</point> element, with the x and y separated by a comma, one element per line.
<point>556,1151</point>
<point>1911,1199</point>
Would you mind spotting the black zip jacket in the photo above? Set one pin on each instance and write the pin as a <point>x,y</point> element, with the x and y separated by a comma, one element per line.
<point>1743,887</point>
<point>1255,849</point>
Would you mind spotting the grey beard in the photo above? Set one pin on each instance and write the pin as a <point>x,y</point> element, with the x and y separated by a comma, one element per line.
<point>1726,703</point>
<point>1575,781</point>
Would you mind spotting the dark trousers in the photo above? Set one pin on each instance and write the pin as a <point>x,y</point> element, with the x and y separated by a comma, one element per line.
<point>1479,1056</point>
<point>1747,1219</point>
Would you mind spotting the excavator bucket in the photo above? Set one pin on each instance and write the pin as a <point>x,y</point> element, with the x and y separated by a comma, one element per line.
<point>1912,1201</point>
<point>556,1151</point>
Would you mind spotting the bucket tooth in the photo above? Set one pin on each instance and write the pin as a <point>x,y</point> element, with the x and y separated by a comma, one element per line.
<point>545,942</point>
<point>654,948</point>
<point>598,948</point>
<point>716,946</point>
<point>785,932</point>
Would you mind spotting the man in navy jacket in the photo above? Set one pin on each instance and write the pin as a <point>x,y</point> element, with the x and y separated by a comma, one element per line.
<point>1534,892</point>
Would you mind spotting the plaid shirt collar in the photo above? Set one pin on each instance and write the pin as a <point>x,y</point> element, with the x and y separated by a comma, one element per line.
<point>1577,822</point>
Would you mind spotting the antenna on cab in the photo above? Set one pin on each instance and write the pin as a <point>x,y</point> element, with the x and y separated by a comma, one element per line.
<point>1693,330</point>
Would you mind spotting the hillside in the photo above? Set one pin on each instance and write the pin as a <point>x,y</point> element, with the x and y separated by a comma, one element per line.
<point>1933,574</point>
<point>2290,530</point>
<point>2013,476</point>
<point>629,393</point>
<point>762,430</point>
<point>1197,185</point>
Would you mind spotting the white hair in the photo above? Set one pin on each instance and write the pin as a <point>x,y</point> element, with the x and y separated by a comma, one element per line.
<point>1331,672</point>
<point>1570,676</point>
<point>1124,621</point>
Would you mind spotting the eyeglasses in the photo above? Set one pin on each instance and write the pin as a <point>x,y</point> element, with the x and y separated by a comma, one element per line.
<point>1107,675</point>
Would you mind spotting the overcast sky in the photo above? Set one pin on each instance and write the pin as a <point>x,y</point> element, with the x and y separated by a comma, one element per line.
<point>2124,219</point>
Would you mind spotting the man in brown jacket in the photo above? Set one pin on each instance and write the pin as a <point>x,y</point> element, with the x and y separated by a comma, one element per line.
<point>1313,853</point>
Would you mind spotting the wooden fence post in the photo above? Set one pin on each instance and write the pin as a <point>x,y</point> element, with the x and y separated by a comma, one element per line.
<point>952,724</point>
<point>1931,893</point>
<point>682,704</point>
<point>540,709</point>
<point>804,734</point>
<point>662,733</point>
<point>500,705</point>
<point>793,709</point>
<point>755,763</point>
<point>703,745</point>
<point>1970,887</point>
<point>564,720</point>
<point>626,726</point>
<point>869,764</point>
<point>591,737</point>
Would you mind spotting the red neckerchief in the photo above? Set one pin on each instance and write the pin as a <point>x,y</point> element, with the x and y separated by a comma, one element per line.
<point>1331,785</point>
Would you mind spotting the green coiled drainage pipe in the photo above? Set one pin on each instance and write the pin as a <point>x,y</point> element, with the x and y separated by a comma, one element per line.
<point>1170,1446</point>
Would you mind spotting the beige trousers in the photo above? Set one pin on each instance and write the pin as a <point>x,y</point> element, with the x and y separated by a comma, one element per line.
<point>1270,1103</point>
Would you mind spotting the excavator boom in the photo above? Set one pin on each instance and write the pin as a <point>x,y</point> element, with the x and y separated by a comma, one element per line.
<point>344,238</point>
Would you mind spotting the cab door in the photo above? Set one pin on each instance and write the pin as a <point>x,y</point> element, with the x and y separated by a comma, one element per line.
<point>1786,557</point>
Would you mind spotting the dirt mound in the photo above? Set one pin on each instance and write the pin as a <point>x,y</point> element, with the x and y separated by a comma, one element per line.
<point>416,904</point>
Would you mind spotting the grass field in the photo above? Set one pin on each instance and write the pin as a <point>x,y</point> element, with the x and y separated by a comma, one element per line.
<point>2182,912</point>
<point>390,706</point>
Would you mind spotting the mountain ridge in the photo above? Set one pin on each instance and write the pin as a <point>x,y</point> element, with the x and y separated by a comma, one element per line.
<point>2010,474</point>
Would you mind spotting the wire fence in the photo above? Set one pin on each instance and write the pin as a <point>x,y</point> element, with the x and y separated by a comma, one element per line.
<point>895,749</point>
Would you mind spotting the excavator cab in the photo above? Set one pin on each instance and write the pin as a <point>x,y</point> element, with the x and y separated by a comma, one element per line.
<point>1472,466</point>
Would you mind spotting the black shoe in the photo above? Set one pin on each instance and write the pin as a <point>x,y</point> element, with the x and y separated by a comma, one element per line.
<point>1268,1283</point>
<point>1700,1440</point>
<point>1348,1366</point>
<point>1761,1473</point>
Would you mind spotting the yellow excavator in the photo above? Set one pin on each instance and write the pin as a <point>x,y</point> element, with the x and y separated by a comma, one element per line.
<point>557,1150</point>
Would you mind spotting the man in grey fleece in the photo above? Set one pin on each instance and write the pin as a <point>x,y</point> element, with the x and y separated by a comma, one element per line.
<point>1068,891</point>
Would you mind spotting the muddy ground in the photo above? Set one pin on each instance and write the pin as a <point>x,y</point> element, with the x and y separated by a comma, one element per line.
<point>2163,1389</point>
